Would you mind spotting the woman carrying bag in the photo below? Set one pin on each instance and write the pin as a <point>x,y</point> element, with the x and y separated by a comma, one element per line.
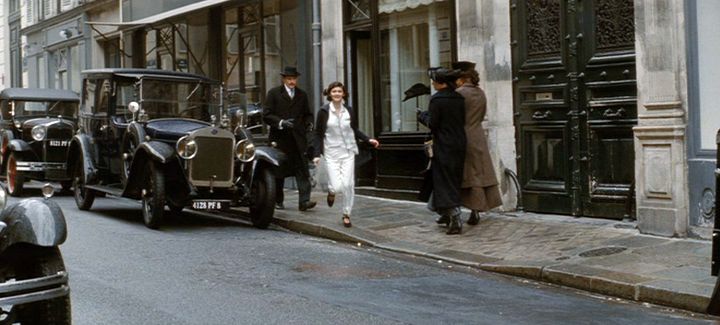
<point>445,118</point>
<point>336,140</point>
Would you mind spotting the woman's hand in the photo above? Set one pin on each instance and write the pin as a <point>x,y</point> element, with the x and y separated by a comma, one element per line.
<point>374,143</point>
<point>316,161</point>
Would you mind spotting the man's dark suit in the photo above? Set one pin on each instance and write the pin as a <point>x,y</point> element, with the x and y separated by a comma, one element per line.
<point>293,142</point>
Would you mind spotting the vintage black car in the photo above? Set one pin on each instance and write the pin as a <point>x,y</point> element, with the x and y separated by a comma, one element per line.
<point>33,280</point>
<point>36,126</point>
<point>164,138</point>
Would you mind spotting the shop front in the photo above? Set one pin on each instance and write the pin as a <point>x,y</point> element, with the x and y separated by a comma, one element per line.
<point>389,45</point>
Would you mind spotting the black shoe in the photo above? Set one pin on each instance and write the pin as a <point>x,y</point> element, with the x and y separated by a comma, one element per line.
<point>279,206</point>
<point>474,218</point>
<point>442,220</point>
<point>330,199</point>
<point>307,205</point>
<point>455,226</point>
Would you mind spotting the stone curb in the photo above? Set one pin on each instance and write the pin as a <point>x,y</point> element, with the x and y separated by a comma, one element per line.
<point>616,284</point>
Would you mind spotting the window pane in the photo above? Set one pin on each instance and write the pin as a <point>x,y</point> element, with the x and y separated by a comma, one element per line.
<point>281,37</point>
<point>411,41</point>
<point>75,68</point>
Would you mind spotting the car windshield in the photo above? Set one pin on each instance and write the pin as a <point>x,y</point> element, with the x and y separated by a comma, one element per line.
<point>188,99</point>
<point>45,108</point>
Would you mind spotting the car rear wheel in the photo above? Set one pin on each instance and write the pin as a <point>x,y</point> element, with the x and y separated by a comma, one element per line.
<point>32,262</point>
<point>84,197</point>
<point>15,179</point>
<point>262,194</point>
<point>153,195</point>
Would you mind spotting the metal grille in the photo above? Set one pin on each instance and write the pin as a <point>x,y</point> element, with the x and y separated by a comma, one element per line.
<point>214,157</point>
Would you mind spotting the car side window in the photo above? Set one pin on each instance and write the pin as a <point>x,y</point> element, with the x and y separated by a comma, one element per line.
<point>88,98</point>
<point>5,109</point>
<point>103,97</point>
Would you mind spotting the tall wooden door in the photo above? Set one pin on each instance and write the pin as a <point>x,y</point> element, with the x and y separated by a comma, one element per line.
<point>575,104</point>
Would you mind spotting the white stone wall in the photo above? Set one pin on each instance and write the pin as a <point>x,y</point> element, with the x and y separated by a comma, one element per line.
<point>484,38</point>
<point>332,66</point>
<point>4,43</point>
<point>660,136</point>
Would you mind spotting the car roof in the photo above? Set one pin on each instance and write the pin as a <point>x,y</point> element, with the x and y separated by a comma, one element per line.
<point>145,73</point>
<point>43,94</point>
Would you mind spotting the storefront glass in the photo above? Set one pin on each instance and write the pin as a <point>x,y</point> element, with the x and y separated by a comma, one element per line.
<point>411,41</point>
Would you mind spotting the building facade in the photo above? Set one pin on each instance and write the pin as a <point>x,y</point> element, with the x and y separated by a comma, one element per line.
<point>601,108</point>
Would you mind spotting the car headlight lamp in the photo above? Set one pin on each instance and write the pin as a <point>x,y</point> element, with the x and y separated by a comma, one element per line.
<point>245,150</point>
<point>38,132</point>
<point>186,148</point>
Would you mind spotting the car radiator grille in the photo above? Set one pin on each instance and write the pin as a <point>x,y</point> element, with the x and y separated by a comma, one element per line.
<point>214,157</point>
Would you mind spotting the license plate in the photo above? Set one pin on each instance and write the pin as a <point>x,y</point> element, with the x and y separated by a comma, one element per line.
<point>59,143</point>
<point>211,204</point>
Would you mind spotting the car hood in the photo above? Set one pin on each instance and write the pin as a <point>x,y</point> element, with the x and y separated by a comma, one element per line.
<point>172,129</point>
<point>49,122</point>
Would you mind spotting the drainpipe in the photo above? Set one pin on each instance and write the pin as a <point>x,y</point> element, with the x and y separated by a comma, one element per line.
<point>316,47</point>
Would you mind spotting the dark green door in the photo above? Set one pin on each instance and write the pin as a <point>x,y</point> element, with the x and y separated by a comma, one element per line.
<point>575,104</point>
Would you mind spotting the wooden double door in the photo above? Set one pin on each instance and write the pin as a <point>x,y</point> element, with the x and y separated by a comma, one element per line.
<point>575,105</point>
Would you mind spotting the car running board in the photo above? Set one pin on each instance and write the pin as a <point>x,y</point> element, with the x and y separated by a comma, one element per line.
<point>112,190</point>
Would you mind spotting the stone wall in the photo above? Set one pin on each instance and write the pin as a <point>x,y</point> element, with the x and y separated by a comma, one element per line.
<point>484,37</point>
<point>660,146</point>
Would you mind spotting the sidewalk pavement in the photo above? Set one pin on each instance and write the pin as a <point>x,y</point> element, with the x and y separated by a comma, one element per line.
<point>603,256</point>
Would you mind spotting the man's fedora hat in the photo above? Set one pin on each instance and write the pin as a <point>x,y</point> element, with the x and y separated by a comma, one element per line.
<point>290,72</point>
<point>463,65</point>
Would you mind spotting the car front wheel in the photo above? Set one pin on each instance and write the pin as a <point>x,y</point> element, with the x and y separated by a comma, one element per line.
<point>15,179</point>
<point>153,195</point>
<point>262,194</point>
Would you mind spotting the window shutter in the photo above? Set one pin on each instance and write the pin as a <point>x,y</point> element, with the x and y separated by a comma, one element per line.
<point>49,8</point>
<point>29,12</point>
<point>66,5</point>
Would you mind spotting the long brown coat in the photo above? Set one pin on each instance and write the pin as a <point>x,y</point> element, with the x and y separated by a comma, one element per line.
<point>479,171</point>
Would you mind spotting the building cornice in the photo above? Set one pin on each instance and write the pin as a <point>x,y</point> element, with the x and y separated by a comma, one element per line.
<point>74,12</point>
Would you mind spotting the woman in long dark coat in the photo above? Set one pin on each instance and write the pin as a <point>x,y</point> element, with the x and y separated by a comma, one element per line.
<point>446,117</point>
<point>479,190</point>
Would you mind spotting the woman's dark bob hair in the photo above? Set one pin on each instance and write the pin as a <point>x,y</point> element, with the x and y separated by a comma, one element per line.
<point>334,84</point>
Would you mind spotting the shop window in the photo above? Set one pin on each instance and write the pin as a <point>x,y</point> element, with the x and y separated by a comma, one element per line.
<point>281,33</point>
<point>411,41</point>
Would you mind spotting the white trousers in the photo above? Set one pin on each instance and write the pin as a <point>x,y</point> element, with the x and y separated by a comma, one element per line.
<point>341,179</point>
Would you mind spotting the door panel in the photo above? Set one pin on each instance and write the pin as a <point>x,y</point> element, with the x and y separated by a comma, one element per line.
<point>575,104</point>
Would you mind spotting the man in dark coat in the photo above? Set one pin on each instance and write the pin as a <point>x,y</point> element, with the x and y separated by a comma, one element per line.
<point>446,117</point>
<point>288,114</point>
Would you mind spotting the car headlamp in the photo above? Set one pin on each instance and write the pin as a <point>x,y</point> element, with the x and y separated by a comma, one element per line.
<point>48,190</point>
<point>186,148</point>
<point>245,150</point>
<point>38,132</point>
<point>18,124</point>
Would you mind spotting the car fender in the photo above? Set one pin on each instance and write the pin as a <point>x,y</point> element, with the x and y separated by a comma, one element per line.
<point>148,150</point>
<point>80,146</point>
<point>18,145</point>
<point>270,155</point>
<point>37,222</point>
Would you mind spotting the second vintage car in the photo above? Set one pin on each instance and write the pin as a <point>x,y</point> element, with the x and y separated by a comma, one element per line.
<point>162,137</point>
<point>36,126</point>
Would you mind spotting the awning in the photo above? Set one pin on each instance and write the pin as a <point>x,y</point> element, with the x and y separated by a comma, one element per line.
<point>388,6</point>
<point>164,15</point>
